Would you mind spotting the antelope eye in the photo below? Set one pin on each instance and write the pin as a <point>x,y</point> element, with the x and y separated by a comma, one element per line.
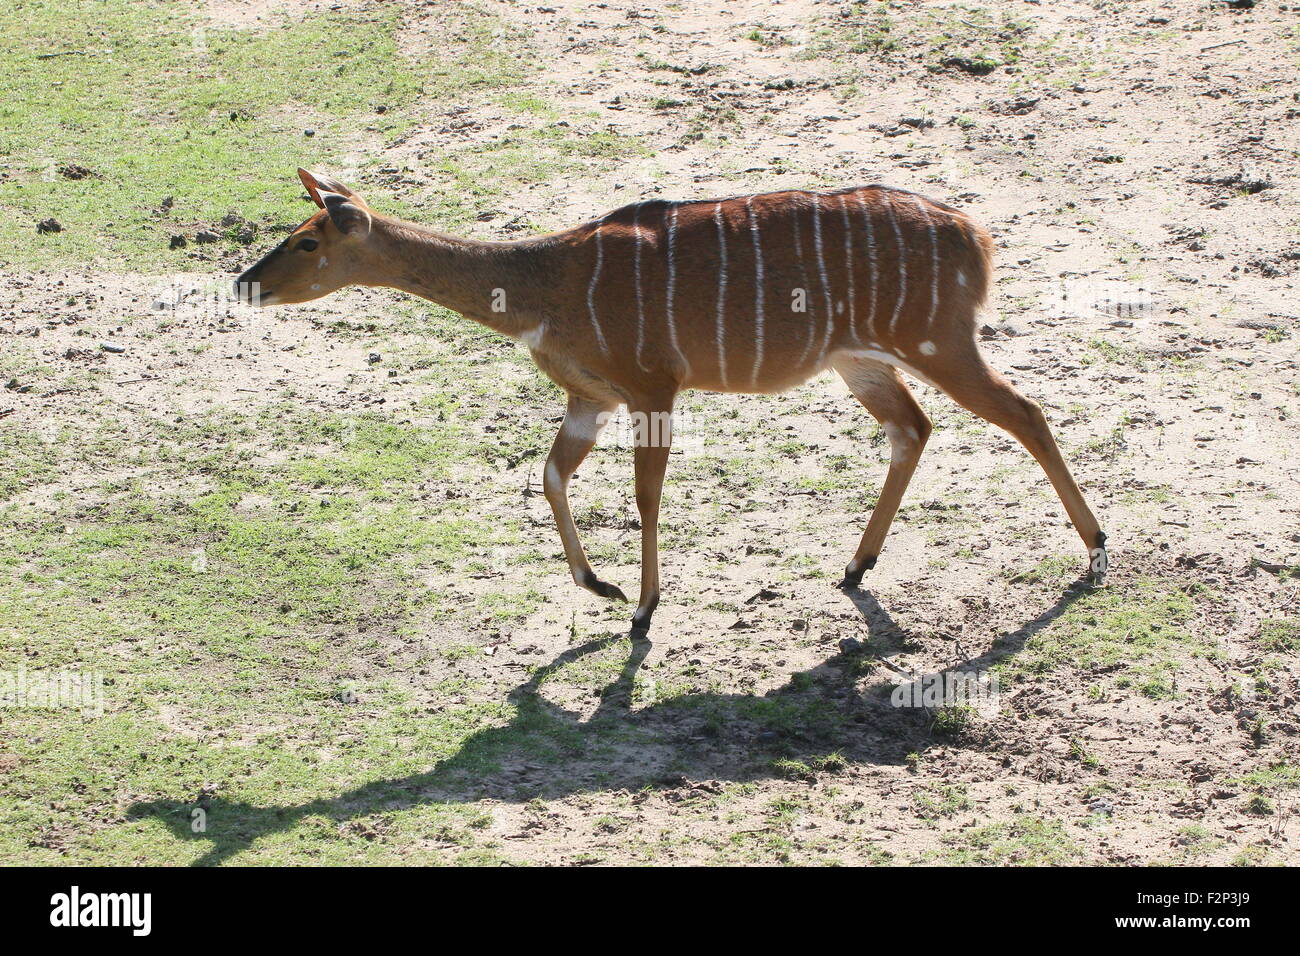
<point>308,245</point>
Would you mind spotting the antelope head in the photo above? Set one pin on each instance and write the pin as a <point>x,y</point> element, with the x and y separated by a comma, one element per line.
<point>325,253</point>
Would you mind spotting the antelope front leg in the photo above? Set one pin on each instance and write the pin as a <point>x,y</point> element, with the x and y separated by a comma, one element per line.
<point>578,433</point>
<point>652,428</point>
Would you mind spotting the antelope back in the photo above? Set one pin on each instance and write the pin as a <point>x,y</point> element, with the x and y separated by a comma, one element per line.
<point>754,293</point>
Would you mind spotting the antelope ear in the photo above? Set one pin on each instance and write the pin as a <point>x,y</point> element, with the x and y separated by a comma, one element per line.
<point>309,181</point>
<point>348,216</point>
<point>317,185</point>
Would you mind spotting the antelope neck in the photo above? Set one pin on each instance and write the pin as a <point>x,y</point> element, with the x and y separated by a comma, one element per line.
<point>507,286</point>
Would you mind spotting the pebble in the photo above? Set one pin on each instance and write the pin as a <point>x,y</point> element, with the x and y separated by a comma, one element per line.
<point>1102,805</point>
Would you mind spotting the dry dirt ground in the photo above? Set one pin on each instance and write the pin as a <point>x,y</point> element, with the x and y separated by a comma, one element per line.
<point>1137,165</point>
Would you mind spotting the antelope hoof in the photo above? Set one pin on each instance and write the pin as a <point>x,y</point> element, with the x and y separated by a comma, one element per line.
<point>641,619</point>
<point>1098,562</point>
<point>853,576</point>
<point>606,590</point>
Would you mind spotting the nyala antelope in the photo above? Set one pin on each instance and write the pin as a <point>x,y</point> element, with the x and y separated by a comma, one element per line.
<point>748,294</point>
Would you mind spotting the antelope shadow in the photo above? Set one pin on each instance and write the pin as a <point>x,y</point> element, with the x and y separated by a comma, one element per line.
<point>660,745</point>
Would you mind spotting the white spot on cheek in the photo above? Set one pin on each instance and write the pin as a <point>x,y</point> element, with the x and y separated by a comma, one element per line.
<point>315,287</point>
<point>927,348</point>
<point>323,263</point>
<point>961,277</point>
<point>839,308</point>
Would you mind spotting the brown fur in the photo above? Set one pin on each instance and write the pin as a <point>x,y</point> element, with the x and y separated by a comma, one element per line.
<point>886,280</point>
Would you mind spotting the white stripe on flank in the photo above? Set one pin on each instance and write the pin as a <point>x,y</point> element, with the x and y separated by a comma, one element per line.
<point>722,294</point>
<point>591,289</point>
<point>821,270</point>
<point>672,281</point>
<point>758,291</point>
<point>803,279</point>
<point>934,261</point>
<point>871,262</point>
<point>902,265</point>
<point>848,265</point>
<point>640,298</point>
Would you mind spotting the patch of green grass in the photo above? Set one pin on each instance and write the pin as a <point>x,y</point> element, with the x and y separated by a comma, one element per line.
<point>110,107</point>
<point>531,154</point>
<point>810,768</point>
<point>1080,752</point>
<point>526,103</point>
<point>1283,775</point>
<point>1251,856</point>
<point>952,720</point>
<point>366,451</point>
<point>1280,634</point>
<point>1025,841</point>
<point>1105,353</point>
<point>982,37</point>
<point>790,712</point>
<point>654,64</point>
<point>767,38</point>
<point>865,27</point>
<point>232,571</point>
<point>1055,568</point>
<point>940,800</point>
<point>1196,841</point>
<point>29,460</point>
<point>1137,630</point>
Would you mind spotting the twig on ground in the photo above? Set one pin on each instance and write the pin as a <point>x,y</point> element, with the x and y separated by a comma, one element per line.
<point>1216,46</point>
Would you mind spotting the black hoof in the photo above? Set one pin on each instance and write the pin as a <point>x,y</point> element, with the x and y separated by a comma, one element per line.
<point>1098,562</point>
<point>852,578</point>
<point>606,590</point>
<point>603,588</point>
<point>641,619</point>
